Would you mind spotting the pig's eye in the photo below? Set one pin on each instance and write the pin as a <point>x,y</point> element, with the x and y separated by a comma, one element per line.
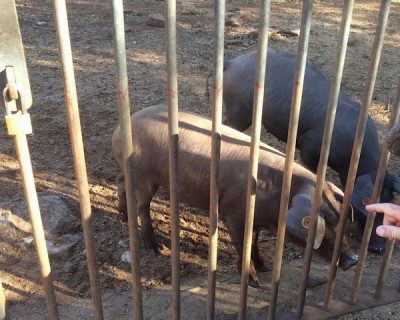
<point>366,201</point>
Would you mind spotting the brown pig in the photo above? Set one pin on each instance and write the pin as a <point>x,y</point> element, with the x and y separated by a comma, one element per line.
<point>150,166</point>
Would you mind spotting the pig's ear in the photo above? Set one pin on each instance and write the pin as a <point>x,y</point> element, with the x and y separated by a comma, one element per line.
<point>298,220</point>
<point>363,187</point>
<point>337,192</point>
<point>339,196</point>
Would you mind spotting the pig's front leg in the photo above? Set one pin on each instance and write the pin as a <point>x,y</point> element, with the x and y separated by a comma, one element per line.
<point>236,230</point>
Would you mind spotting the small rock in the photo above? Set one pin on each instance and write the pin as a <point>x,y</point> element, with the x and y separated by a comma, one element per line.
<point>124,243</point>
<point>148,283</point>
<point>313,283</point>
<point>63,245</point>
<point>126,257</point>
<point>233,22</point>
<point>25,243</point>
<point>41,23</point>
<point>69,267</point>
<point>156,20</point>
<point>56,216</point>
<point>352,42</point>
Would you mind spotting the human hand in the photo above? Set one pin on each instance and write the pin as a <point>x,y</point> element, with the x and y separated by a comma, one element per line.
<point>391,220</point>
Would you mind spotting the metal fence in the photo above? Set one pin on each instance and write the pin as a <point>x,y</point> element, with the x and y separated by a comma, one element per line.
<point>60,14</point>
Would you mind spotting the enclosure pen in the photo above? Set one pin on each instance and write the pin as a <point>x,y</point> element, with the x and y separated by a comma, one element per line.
<point>158,291</point>
<point>378,185</point>
<point>71,100</point>
<point>265,8</point>
<point>290,150</point>
<point>366,101</point>
<point>127,151</point>
<point>330,117</point>
<point>172,104</point>
<point>219,28</point>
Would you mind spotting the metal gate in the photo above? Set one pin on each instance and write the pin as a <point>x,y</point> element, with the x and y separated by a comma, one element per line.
<point>17,101</point>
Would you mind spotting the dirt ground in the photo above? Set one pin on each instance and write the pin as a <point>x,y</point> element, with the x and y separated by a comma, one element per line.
<point>92,44</point>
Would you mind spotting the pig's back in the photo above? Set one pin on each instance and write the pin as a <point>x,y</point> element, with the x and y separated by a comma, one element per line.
<point>150,129</point>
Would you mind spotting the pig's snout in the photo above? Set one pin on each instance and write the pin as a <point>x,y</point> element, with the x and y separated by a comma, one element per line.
<point>347,260</point>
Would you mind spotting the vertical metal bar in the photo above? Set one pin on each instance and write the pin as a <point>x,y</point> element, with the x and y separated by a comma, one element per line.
<point>64,44</point>
<point>390,243</point>
<point>3,304</point>
<point>32,203</point>
<point>254,151</point>
<point>329,123</point>
<point>290,150</point>
<point>372,71</point>
<point>127,152</point>
<point>384,268</point>
<point>172,102</point>
<point>219,25</point>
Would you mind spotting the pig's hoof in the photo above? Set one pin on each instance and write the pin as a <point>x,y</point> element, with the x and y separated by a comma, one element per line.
<point>152,246</point>
<point>347,261</point>
<point>377,247</point>
<point>253,282</point>
<point>156,249</point>
<point>263,268</point>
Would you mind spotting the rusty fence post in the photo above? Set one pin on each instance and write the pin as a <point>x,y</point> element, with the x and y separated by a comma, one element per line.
<point>172,104</point>
<point>127,151</point>
<point>370,83</point>
<point>290,150</point>
<point>71,100</point>
<point>265,8</point>
<point>219,28</point>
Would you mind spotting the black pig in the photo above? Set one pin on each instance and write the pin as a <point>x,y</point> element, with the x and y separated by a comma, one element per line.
<point>238,99</point>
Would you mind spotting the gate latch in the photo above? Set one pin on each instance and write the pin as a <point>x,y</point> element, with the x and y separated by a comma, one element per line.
<point>18,120</point>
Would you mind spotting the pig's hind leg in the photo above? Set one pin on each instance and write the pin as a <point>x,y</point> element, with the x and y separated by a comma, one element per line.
<point>144,195</point>
<point>255,253</point>
<point>122,205</point>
